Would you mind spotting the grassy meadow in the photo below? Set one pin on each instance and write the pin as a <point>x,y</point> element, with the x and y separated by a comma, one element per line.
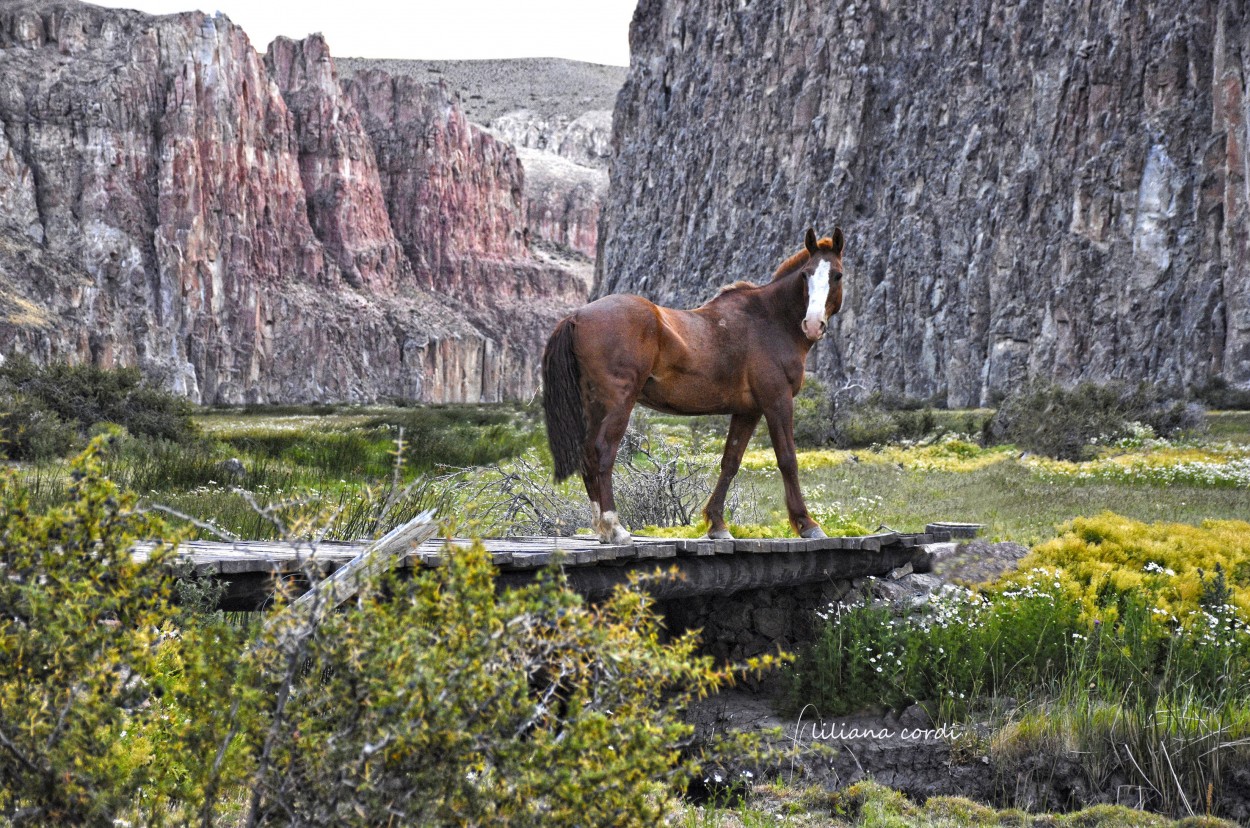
<point>362,469</point>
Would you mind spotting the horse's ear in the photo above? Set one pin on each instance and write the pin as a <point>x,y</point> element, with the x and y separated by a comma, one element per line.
<point>809,241</point>
<point>838,241</point>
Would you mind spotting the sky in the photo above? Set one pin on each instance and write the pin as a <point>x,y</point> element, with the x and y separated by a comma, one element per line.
<point>596,31</point>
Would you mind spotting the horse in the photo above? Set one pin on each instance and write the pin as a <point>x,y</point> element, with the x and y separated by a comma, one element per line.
<point>740,354</point>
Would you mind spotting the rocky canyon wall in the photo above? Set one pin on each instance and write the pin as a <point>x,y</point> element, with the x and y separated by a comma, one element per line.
<point>558,115</point>
<point>235,225</point>
<point>1034,188</point>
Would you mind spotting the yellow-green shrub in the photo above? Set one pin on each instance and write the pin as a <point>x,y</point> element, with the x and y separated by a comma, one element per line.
<point>1112,555</point>
<point>80,620</point>
<point>439,701</point>
<point>433,700</point>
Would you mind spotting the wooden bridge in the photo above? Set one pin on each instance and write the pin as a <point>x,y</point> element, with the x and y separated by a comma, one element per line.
<point>702,566</point>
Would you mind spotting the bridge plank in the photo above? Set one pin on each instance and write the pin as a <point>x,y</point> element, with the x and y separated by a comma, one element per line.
<point>655,551</point>
<point>873,543</point>
<point>530,560</point>
<point>963,531</point>
<point>697,547</point>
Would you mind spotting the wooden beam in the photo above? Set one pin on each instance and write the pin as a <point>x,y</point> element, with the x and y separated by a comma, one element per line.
<point>303,615</point>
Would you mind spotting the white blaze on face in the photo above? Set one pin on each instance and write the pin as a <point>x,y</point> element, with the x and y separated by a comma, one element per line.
<point>817,295</point>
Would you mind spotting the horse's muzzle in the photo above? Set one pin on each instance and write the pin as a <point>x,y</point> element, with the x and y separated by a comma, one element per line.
<point>814,330</point>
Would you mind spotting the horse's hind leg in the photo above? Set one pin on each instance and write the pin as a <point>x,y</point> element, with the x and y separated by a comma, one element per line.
<point>741,427</point>
<point>603,442</point>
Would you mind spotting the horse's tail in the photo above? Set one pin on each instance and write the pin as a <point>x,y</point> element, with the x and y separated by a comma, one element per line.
<point>562,401</point>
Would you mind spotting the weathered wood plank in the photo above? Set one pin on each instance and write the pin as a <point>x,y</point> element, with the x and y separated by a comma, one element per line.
<point>873,543</point>
<point>530,560</point>
<point>695,546</point>
<point>250,567</point>
<point>956,530</point>
<point>651,551</point>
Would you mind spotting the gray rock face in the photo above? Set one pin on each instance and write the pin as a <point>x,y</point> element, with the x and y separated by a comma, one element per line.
<point>562,200</point>
<point>171,200</point>
<point>1028,188</point>
<point>585,140</point>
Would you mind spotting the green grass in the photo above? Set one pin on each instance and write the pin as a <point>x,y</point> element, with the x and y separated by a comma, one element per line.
<point>871,805</point>
<point>1012,501</point>
<point>331,456</point>
<point>1233,426</point>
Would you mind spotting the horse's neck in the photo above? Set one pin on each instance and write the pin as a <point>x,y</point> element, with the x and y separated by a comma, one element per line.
<point>785,297</point>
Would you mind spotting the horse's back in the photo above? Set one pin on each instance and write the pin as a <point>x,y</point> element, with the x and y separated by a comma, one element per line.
<point>618,333</point>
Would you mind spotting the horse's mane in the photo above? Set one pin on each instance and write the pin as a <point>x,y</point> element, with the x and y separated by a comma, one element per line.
<point>784,269</point>
<point>799,259</point>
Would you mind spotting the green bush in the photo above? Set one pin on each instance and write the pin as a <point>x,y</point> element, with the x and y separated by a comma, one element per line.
<point>83,629</point>
<point>28,431</point>
<point>813,415</point>
<point>915,424</point>
<point>45,404</point>
<point>1218,394</point>
<point>862,424</point>
<point>447,703</point>
<point>1065,423</point>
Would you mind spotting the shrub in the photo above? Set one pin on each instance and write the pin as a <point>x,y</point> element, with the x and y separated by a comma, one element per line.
<point>655,486</point>
<point>448,703</point>
<point>55,398</point>
<point>28,431</point>
<point>915,424</point>
<point>813,414</point>
<point>861,424</point>
<point>83,626</point>
<point>1218,394</point>
<point>1063,423</point>
<point>435,699</point>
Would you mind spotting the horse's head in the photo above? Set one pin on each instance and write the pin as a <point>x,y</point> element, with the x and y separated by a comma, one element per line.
<point>822,280</point>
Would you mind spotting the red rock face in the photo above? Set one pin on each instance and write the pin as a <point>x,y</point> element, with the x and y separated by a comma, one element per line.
<point>339,171</point>
<point>453,192</point>
<point>168,200</point>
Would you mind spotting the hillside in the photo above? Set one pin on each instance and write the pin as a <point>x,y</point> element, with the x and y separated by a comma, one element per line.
<point>549,87</point>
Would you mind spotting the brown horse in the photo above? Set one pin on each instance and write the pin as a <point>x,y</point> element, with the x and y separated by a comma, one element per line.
<point>740,354</point>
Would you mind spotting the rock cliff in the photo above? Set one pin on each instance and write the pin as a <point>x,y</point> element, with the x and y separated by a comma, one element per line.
<point>169,199</point>
<point>557,114</point>
<point>1034,188</point>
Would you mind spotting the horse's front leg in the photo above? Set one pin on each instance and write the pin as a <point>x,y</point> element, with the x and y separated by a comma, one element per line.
<point>780,417</point>
<point>741,427</point>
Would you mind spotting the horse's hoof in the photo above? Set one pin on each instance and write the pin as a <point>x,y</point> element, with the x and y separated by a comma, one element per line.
<point>814,532</point>
<point>720,534</point>
<point>619,537</point>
